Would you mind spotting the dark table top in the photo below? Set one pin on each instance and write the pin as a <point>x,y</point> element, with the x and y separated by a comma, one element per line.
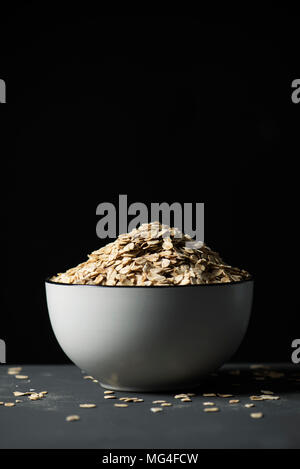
<point>42,424</point>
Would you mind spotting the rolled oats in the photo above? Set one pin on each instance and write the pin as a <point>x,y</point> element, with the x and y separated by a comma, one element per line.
<point>266,397</point>
<point>211,409</point>
<point>153,254</point>
<point>19,393</point>
<point>257,415</point>
<point>156,409</point>
<point>35,396</point>
<point>14,370</point>
<point>72,418</point>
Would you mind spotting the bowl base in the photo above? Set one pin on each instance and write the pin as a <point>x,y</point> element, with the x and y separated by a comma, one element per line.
<point>174,388</point>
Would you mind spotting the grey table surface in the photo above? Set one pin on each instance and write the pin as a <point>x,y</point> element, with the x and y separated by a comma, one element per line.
<point>42,424</point>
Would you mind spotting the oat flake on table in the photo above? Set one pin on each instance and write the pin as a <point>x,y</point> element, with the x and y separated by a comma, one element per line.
<point>153,254</point>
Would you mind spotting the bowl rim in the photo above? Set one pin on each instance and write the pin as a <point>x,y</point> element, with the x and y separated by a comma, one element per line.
<point>51,282</point>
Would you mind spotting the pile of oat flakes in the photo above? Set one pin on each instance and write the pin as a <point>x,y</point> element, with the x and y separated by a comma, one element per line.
<point>153,254</point>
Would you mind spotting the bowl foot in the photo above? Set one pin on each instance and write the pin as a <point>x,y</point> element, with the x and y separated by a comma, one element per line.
<point>174,388</point>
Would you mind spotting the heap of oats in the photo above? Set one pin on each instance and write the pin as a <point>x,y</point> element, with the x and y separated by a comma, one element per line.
<point>153,254</point>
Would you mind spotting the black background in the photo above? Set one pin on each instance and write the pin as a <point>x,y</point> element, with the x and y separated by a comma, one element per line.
<point>161,108</point>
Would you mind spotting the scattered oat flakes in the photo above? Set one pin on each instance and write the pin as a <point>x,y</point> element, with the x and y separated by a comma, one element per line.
<point>9,404</point>
<point>256,415</point>
<point>18,400</point>
<point>34,396</point>
<point>234,401</point>
<point>266,397</point>
<point>211,409</point>
<point>109,392</point>
<point>156,409</point>
<point>256,398</point>
<point>153,254</point>
<point>208,403</point>
<point>72,418</point>
<point>87,406</point>
<point>158,402</point>
<point>19,393</point>
<point>267,392</point>
<point>121,405</point>
<point>129,399</point>
<point>21,376</point>
<point>225,395</point>
<point>166,404</point>
<point>95,381</point>
<point>110,396</point>
<point>209,394</point>
<point>180,396</point>
<point>186,399</point>
<point>191,394</point>
<point>14,370</point>
<point>88,377</point>
<point>249,405</point>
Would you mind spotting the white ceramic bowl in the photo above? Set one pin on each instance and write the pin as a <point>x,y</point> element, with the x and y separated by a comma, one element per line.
<point>149,338</point>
